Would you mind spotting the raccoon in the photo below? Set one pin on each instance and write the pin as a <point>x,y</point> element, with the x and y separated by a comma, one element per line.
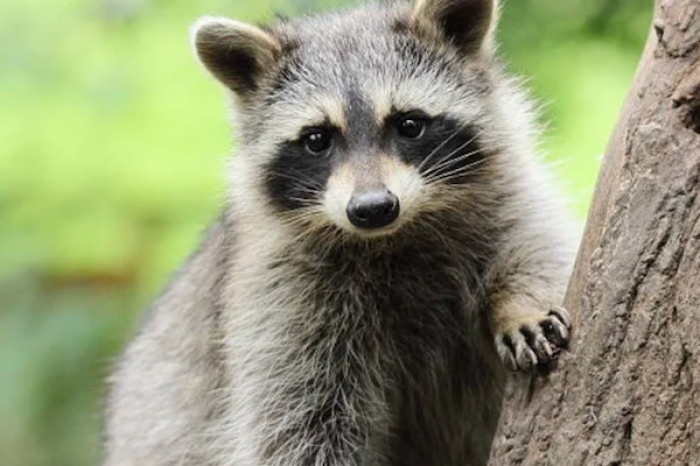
<point>389,249</point>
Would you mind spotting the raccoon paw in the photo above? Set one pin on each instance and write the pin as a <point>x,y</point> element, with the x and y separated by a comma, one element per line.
<point>534,343</point>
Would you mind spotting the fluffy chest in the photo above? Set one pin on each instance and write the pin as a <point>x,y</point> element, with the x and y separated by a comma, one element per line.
<point>412,303</point>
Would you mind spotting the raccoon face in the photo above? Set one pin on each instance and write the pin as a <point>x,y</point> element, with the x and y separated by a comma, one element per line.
<point>363,121</point>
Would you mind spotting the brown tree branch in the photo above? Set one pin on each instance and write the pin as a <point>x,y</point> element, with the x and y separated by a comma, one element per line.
<point>629,391</point>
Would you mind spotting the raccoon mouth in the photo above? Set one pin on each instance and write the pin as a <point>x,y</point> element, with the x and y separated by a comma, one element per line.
<point>378,232</point>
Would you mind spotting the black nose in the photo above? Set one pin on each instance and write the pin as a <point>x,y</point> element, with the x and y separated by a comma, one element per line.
<point>373,209</point>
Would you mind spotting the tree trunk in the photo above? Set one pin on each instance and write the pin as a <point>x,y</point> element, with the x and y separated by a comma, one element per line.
<point>628,393</point>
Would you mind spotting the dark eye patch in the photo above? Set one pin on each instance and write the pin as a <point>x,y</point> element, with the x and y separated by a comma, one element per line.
<point>446,149</point>
<point>296,177</point>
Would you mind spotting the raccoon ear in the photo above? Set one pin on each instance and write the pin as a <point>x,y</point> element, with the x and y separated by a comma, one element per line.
<point>237,54</point>
<point>467,24</point>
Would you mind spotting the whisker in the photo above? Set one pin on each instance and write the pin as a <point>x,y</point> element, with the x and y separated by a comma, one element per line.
<point>440,146</point>
<point>302,186</point>
<point>440,170</point>
<point>450,159</point>
<point>304,201</point>
<point>299,178</point>
<point>448,156</point>
<point>450,164</point>
<point>458,172</point>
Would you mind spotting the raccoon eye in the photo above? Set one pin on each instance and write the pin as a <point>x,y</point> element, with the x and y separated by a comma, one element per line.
<point>411,127</point>
<point>317,141</point>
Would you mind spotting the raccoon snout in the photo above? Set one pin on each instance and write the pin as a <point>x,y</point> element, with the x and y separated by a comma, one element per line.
<point>373,209</point>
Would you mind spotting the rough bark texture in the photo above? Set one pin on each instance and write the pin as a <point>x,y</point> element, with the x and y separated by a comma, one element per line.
<point>628,393</point>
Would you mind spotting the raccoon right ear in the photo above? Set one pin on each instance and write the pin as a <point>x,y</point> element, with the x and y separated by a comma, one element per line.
<point>466,24</point>
<point>237,54</point>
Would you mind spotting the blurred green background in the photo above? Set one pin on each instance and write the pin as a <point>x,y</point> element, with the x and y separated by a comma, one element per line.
<point>112,142</point>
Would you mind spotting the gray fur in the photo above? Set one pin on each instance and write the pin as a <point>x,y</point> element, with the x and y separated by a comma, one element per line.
<point>290,341</point>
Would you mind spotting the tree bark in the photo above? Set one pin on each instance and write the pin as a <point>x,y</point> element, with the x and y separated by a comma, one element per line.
<point>628,392</point>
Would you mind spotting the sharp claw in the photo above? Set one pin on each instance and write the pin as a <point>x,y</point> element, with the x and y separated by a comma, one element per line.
<point>561,331</point>
<point>543,346</point>
<point>534,344</point>
<point>561,314</point>
<point>505,349</point>
<point>510,361</point>
<point>527,358</point>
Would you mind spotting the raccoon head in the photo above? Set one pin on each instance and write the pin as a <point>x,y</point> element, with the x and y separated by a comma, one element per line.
<point>365,121</point>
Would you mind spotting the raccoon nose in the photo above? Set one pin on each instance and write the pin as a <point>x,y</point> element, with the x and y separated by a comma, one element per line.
<point>373,209</point>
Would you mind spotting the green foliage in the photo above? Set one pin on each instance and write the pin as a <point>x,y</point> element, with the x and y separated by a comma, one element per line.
<point>112,143</point>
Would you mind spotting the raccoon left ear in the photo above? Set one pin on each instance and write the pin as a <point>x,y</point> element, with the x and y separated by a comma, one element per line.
<point>237,54</point>
<point>467,24</point>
